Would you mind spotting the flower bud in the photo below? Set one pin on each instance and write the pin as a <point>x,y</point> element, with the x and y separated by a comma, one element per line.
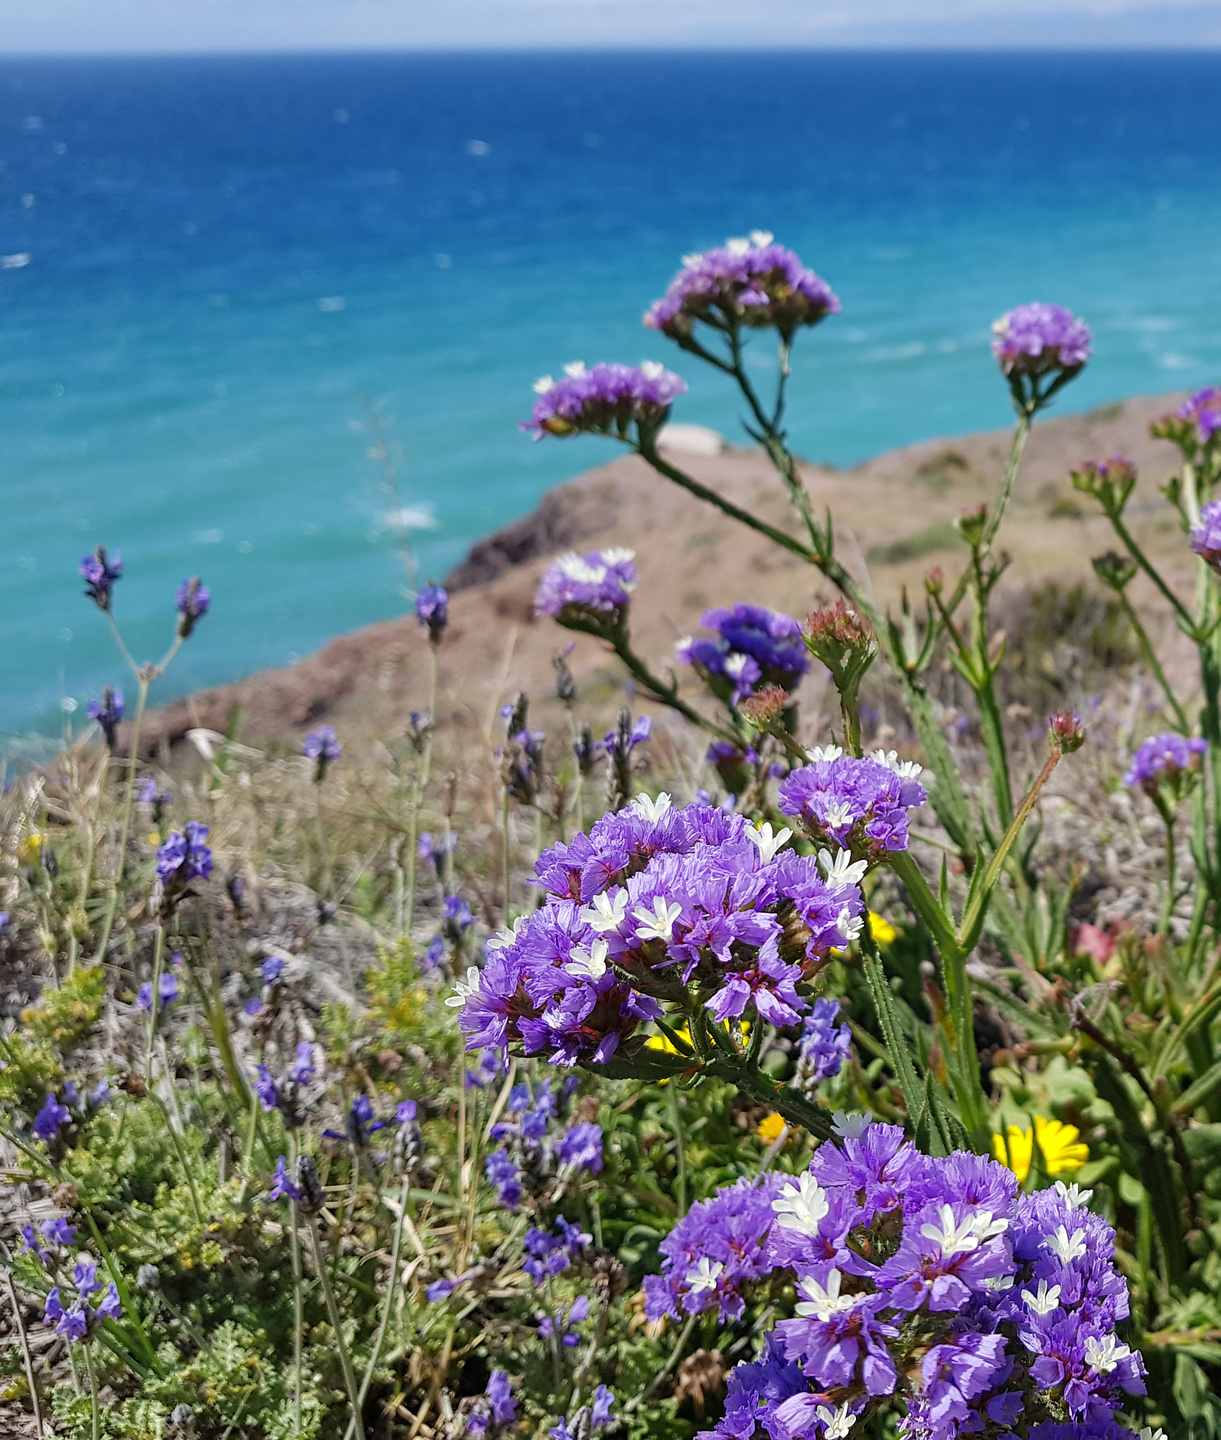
<point>934,581</point>
<point>309,1186</point>
<point>1110,482</point>
<point>1066,731</point>
<point>192,600</point>
<point>1114,570</point>
<point>765,706</point>
<point>972,525</point>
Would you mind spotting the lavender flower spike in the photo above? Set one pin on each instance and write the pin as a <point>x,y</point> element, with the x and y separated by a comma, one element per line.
<point>588,591</point>
<point>108,712</point>
<point>751,282</point>
<point>100,573</point>
<point>1165,766</point>
<point>607,400</point>
<point>432,610</point>
<point>322,747</point>
<point>193,601</point>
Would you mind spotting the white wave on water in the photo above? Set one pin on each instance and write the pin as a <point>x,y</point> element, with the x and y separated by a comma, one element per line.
<point>15,262</point>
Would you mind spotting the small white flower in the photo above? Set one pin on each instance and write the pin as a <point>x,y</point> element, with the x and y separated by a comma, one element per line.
<point>651,369</point>
<point>1147,1432</point>
<point>1045,1300</point>
<point>651,809</point>
<point>839,1421</point>
<point>999,1282</point>
<point>767,843</point>
<point>761,237</point>
<point>839,812</point>
<point>575,369</point>
<point>736,245</point>
<point>577,568</point>
<point>1067,1247</point>
<point>616,555</point>
<point>544,385</point>
<point>504,938</point>
<point>824,752</point>
<point>821,1304</point>
<point>607,913</point>
<point>735,663</point>
<point>464,989</point>
<point>960,1237</point>
<point>704,1276</point>
<point>692,261</point>
<point>800,1207</point>
<point>850,1127</point>
<point>588,964</point>
<point>658,923</point>
<point>1103,1355</point>
<point>904,769</point>
<point>849,925</point>
<point>1073,1196</point>
<point>842,870</point>
<point>684,643</point>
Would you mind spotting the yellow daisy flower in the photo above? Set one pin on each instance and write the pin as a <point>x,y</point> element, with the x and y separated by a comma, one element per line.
<point>1061,1146</point>
<point>770,1128</point>
<point>881,929</point>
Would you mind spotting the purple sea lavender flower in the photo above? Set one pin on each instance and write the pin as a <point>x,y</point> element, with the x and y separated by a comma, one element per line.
<point>193,601</point>
<point>861,805</point>
<point>50,1118</point>
<point>753,647</point>
<point>58,1231</point>
<point>432,610</point>
<point>607,400</point>
<point>714,1251</point>
<point>108,712</point>
<point>751,282</point>
<point>109,1307</point>
<point>1206,536</point>
<point>1039,339</point>
<point>85,1277</point>
<point>100,572</point>
<point>1203,410</point>
<point>1166,765</point>
<point>588,591</point>
<point>322,747</point>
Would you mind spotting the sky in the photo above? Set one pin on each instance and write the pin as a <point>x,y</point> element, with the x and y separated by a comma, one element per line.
<point>185,26</point>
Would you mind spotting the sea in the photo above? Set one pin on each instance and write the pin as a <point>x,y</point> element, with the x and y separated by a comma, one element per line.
<point>228,284</point>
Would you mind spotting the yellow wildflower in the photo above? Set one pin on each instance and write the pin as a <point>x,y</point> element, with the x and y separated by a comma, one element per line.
<point>1064,1152</point>
<point>1060,1145</point>
<point>770,1128</point>
<point>1015,1149</point>
<point>663,1042</point>
<point>881,929</point>
<point>30,849</point>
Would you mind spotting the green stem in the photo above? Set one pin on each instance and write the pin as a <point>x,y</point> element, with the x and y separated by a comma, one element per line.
<point>155,1002</point>
<point>298,1298</point>
<point>1117,524</point>
<point>133,760</point>
<point>94,1412</point>
<point>395,1250</point>
<point>680,1158</point>
<point>332,1310</point>
<point>665,694</point>
<point>1168,899</point>
<point>1150,658</point>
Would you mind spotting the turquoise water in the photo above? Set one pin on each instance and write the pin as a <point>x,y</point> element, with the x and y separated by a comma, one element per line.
<point>225,256</point>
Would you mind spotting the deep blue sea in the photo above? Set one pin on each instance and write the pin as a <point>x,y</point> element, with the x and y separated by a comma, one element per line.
<point>226,255</point>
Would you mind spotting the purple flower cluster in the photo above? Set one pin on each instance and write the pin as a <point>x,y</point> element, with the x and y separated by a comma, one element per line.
<point>167,991</point>
<point>932,1280</point>
<point>601,581</point>
<point>495,1410</point>
<point>56,1233</point>
<point>565,1323</point>
<point>1204,412</point>
<point>184,856</point>
<point>753,647</point>
<point>824,1044</point>
<point>1038,339</point>
<point>50,1119</point>
<point>192,600</point>
<point>108,712</point>
<point>1205,537</point>
<point>100,572</point>
<point>594,1416</point>
<point>534,1143</point>
<point>719,1246</point>
<point>1164,759</point>
<point>79,1320</point>
<point>284,1094</point>
<point>749,281</point>
<point>653,904</point>
<point>607,400</point>
<point>861,805</point>
<point>548,1252</point>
